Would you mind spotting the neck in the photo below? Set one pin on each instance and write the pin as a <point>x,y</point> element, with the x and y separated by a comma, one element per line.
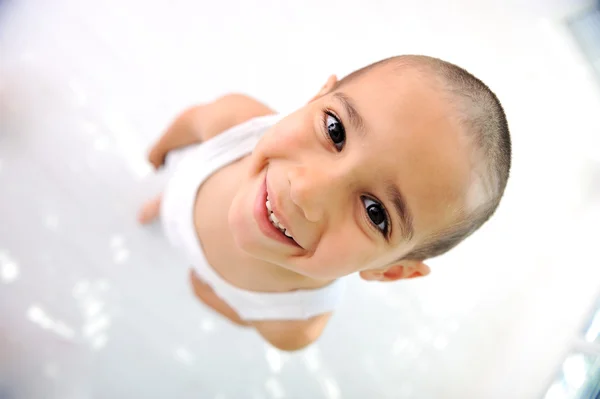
<point>298,279</point>
<point>274,277</point>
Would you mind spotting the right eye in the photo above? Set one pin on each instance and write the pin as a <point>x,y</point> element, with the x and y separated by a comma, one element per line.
<point>335,130</point>
<point>377,215</point>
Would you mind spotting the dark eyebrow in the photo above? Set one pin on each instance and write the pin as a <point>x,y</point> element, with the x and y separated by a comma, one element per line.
<point>404,214</point>
<point>394,194</point>
<point>355,119</point>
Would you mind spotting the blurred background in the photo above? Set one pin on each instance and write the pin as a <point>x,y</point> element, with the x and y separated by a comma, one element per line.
<point>94,306</point>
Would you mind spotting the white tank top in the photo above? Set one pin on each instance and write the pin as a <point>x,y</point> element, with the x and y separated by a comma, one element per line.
<point>192,166</point>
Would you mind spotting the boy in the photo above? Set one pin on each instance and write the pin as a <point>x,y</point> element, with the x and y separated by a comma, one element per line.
<point>395,164</point>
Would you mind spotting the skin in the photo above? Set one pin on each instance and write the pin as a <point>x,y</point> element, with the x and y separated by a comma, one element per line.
<point>409,138</point>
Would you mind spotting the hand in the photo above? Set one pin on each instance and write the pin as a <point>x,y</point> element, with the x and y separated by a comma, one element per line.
<point>185,130</point>
<point>157,156</point>
<point>206,294</point>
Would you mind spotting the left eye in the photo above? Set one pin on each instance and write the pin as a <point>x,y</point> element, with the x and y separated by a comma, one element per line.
<point>376,214</point>
<point>335,131</point>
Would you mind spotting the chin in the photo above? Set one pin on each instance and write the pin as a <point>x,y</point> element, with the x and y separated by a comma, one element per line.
<point>242,228</point>
<point>240,231</point>
<point>310,271</point>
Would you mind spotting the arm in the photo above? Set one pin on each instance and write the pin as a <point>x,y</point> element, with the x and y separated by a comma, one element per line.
<point>200,123</point>
<point>287,335</point>
<point>206,294</point>
<point>292,335</point>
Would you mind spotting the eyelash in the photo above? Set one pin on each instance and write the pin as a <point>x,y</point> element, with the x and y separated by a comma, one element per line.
<point>386,234</point>
<point>325,113</point>
<point>388,224</point>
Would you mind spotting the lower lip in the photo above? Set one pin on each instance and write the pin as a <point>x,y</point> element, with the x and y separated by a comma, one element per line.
<point>262,218</point>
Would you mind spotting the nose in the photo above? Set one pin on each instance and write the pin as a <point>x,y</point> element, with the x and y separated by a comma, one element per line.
<point>314,189</point>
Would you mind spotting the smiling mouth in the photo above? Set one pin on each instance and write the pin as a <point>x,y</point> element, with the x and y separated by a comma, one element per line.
<point>276,226</point>
<point>274,221</point>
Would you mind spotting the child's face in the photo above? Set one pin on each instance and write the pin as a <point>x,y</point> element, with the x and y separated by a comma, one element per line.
<point>389,169</point>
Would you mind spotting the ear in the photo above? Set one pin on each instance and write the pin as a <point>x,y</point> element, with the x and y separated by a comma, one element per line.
<point>404,270</point>
<point>329,85</point>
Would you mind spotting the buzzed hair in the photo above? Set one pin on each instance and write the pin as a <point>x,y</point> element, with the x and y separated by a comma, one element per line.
<point>482,118</point>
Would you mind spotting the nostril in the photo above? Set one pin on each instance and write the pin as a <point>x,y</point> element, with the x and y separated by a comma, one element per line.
<point>307,206</point>
<point>303,195</point>
<point>293,185</point>
<point>313,215</point>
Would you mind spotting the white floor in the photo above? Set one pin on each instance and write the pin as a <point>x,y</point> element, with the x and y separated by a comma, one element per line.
<point>93,306</point>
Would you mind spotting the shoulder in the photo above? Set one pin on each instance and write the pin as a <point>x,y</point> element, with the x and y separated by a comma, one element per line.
<point>208,120</point>
<point>244,105</point>
<point>228,111</point>
<point>292,335</point>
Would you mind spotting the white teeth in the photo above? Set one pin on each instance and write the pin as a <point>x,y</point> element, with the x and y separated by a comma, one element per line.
<point>276,222</point>
<point>274,219</point>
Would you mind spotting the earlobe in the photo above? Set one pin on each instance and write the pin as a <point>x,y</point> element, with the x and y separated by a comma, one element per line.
<point>421,270</point>
<point>371,275</point>
<point>327,87</point>
<point>396,272</point>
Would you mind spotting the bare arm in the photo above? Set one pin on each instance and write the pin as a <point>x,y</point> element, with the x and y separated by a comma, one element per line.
<point>205,293</point>
<point>292,335</point>
<point>287,335</point>
<point>200,123</point>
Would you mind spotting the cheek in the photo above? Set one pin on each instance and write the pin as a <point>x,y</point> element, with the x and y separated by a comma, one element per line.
<point>240,216</point>
<point>291,133</point>
<point>342,251</point>
<point>235,217</point>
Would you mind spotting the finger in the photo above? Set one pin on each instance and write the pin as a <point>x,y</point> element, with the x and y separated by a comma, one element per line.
<point>156,158</point>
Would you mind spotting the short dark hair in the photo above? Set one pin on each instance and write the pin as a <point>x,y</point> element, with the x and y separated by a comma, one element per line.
<point>482,117</point>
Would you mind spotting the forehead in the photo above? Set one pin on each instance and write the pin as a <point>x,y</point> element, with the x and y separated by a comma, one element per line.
<point>412,138</point>
<point>402,99</point>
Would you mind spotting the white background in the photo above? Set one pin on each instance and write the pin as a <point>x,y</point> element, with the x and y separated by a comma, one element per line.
<point>94,306</point>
